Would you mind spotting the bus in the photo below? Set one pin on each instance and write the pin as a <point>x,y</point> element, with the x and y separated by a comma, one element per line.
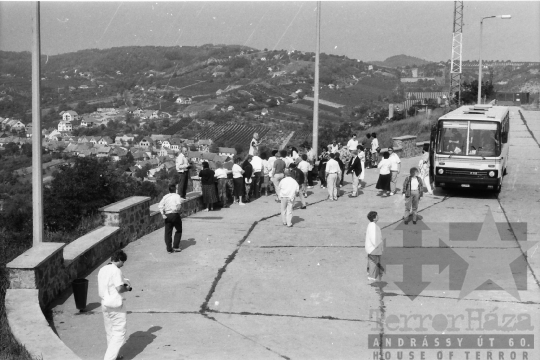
<point>469,147</point>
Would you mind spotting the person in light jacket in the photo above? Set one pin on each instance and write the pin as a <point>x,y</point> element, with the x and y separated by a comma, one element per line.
<point>413,189</point>
<point>374,247</point>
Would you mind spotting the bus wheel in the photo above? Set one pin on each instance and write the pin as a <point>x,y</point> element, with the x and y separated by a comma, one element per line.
<point>504,172</point>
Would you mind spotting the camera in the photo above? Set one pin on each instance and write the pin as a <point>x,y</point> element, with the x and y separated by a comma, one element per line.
<point>129,288</point>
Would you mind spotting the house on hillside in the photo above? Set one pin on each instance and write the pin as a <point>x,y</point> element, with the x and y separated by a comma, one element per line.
<point>146,142</point>
<point>105,140</point>
<point>69,115</point>
<point>264,112</point>
<point>16,125</point>
<point>103,150</point>
<point>175,144</point>
<point>124,139</point>
<point>224,151</point>
<point>93,140</point>
<point>83,139</point>
<point>90,122</point>
<point>65,126</point>
<point>184,100</point>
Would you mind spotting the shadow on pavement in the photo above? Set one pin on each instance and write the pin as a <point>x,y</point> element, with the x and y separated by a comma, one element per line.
<point>296,220</point>
<point>187,243</point>
<point>138,341</point>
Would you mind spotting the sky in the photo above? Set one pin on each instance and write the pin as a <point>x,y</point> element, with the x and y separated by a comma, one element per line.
<point>365,30</point>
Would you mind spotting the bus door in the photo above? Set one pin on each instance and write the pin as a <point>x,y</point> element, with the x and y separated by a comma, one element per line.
<point>432,142</point>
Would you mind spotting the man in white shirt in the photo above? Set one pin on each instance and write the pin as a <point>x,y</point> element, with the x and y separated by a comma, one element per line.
<point>257,164</point>
<point>169,207</point>
<point>395,169</point>
<point>353,143</point>
<point>374,247</point>
<point>254,145</point>
<point>221,175</point>
<point>288,189</point>
<point>111,282</point>
<point>304,167</point>
<point>333,173</point>
<point>182,165</point>
<point>333,147</point>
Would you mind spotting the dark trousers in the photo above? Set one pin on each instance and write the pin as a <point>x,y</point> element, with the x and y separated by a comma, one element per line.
<point>310,178</point>
<point>182,184</point>
<point>322,175</point>
<point>173,221</point>
<point>257,184</point>
<point>342,176</point>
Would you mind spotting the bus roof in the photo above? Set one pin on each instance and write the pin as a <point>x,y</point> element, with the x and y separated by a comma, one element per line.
<point>477,112</point>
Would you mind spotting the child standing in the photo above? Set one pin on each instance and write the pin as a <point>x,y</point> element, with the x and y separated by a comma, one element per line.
<point>374,247</point>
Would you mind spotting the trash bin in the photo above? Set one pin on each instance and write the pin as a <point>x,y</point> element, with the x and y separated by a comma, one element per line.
<point>80,291</point>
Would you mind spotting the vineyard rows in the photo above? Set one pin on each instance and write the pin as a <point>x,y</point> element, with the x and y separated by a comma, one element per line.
<point>233,134</point>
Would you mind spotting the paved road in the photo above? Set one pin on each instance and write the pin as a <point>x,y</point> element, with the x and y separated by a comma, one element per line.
<point>245,287</point>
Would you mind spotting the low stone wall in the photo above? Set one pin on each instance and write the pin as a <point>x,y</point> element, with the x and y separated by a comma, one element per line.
<point>408,145</point>
<point>49,268</point>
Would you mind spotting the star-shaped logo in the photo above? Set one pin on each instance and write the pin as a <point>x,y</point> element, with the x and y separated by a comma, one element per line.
<point>489,259</point>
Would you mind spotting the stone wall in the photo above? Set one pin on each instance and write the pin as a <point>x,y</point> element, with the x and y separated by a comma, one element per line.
<point>48,269</point>
<point>408,145</point>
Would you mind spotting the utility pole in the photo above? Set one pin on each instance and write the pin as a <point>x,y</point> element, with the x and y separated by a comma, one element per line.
<point>37,180</point>
<point>457,47</point>
<point>316,83</point>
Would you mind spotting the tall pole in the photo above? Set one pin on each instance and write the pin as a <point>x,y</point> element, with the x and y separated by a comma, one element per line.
<point>37,181</point>
<point>479,100</point>
<point>316,82</point>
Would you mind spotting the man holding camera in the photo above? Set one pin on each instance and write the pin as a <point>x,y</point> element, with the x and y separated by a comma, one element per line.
<point>111,283</point>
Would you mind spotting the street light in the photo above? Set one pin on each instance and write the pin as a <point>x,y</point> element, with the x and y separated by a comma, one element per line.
<point>504,17</point>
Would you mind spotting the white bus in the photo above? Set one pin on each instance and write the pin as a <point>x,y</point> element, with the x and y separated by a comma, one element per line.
<point>469,147</point>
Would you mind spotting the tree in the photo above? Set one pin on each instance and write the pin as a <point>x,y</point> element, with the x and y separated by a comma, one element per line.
<point>469,91</point>
<point>12,148</point>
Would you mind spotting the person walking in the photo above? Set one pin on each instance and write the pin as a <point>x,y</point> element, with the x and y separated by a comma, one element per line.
<point>221,177</point>
<point>254,145</point>
<point>412,193</point>
<point>304,167</point>
<point>374,150</point>
<point>271,161</point>
<point>238,181</point>
<point>288,189</point>
<point>352,143</point>
<point>323,159</point>
<point>395,169</point>
<point>385,176</point>
<point>374,248</point>
<point>367,149</point>
<point>182,168</point>
<point>169,207</point>
<point>333,173</point>
<point>423,166</point>
<point>265,183</point>
<point>278,171</point>
<point>298,176</point>
<point>209,196</point>
<point>362,157</point>
<point>355,169</point>
<point>257,164</point>
<point>248,174</point>
<point>112,283</point>
<point>337,157</point>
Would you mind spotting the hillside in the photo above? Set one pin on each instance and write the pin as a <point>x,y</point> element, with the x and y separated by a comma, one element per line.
<point>401,61</point>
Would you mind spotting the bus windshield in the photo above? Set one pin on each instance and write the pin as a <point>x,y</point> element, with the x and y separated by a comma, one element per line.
<point>471,138</point>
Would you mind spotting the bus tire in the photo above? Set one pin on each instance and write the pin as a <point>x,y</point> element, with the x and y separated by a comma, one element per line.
<point>504,171</point>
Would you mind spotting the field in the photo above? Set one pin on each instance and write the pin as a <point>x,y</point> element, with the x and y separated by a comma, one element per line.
<point>232,134</point>
<point>304,112</point>
<point>366,89</point>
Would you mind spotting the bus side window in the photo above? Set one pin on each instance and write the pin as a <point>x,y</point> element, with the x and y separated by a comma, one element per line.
<point>504,131</point>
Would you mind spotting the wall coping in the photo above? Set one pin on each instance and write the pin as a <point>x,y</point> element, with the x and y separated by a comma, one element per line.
<point>124,204</point>
<point>154,208</point>
<point>405,137</point>
<point>29,327</point>
<point>421,143</point>
<point>87,241</point>
<point>35,256</point>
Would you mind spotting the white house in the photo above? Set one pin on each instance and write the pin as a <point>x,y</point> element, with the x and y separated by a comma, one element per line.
<point>69,115</point>
<point>183,100</point>
<point>223,151</point>
<point>65,126</point>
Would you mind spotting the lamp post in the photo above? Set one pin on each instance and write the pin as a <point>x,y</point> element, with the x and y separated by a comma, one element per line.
<point>505,17</point>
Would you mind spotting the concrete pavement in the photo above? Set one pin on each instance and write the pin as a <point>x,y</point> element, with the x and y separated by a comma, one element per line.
<point>245,286</point>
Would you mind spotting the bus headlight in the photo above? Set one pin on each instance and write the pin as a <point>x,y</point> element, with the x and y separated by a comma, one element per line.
<point>441,171</point>
<point>491,173</point>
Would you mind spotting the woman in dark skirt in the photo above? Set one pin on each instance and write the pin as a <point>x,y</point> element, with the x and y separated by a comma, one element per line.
<point>385,176</point>
<point>209,196</point>
<point>238,181</point>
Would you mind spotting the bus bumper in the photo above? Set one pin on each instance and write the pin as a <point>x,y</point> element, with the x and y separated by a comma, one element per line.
<point>466,182</point>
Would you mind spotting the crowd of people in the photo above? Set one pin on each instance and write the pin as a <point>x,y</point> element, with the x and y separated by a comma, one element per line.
<point>287,174</point>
